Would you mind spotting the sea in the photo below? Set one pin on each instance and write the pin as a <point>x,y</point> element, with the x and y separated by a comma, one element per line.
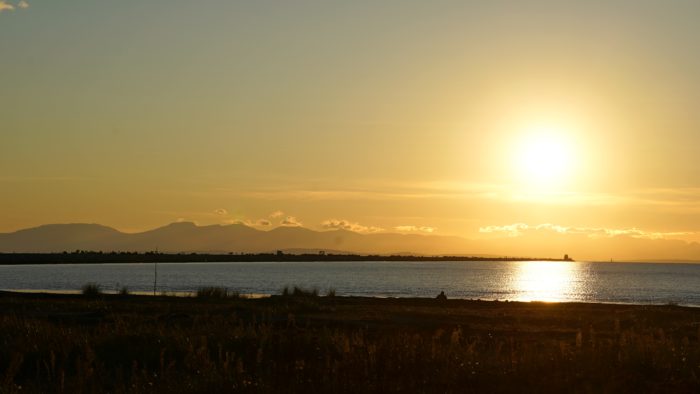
<point>549,281</point>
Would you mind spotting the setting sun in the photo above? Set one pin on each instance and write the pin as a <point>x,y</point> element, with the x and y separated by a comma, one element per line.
<point>544,155</point>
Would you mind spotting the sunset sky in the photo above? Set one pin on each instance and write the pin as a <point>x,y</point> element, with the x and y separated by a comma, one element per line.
<point>480,119</point>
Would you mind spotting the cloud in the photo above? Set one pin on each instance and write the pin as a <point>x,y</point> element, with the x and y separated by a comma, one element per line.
<point>250,223</point>
<point>28,179</point>
<point>5,6</point>
<point>291,221</point>
<point>221,212</point>
<point>276,214</point>
<point>386,190</point>
<point>512,230</point>
<point>519,229</point>
<point>377,190</point>
<point>683,200</point>
<point>338,224</point>
<point>419,229</point>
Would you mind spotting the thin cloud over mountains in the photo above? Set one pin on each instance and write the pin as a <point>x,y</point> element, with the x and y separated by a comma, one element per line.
<point>276,214</point>
<point>335,224</point>
<point>291,221</point>
<point>7,6</point>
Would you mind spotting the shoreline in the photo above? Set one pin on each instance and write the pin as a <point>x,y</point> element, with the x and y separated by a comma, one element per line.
<point>8,259</point>
<point>90,257</point>
<point>253,296</point>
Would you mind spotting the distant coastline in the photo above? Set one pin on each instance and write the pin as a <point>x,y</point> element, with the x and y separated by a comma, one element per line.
<point>91,257</point>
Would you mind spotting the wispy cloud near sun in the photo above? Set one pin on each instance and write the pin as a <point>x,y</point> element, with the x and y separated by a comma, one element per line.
<point>276,214</point>
<point>519,229</point>
<point>415,229</point>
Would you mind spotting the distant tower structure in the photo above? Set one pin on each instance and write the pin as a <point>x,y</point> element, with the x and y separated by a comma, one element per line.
<point>567,258</point>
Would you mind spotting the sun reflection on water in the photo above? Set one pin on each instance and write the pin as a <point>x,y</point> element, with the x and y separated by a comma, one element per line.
<point>544,281</point>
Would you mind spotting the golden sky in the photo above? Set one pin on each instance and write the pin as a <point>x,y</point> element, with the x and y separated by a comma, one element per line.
<point>480,119</point>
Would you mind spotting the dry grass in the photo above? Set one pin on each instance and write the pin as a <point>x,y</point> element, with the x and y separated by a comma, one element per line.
<point>287,344</point>
<point>216,292</point>
<point>297,291</point>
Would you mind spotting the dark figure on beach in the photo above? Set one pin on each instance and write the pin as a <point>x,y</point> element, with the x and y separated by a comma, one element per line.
<point>441,296</point>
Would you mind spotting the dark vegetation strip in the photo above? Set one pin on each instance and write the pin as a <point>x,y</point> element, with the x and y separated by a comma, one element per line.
<point>300,342</point>
<point>91,257</point>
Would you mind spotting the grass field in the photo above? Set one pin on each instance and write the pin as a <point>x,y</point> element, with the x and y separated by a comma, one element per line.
<point>302,342</point>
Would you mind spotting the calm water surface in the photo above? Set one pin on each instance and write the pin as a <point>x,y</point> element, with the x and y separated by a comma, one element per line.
<point>517,280</point>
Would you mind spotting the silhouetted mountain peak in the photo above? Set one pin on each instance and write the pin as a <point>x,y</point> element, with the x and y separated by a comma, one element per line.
<point>340,231</point>
<point>240,238</point>
<point>291,229</point>
<point>181,225</point>
<point>68,228</point>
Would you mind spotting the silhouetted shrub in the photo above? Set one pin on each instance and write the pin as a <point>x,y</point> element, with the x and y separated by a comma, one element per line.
<point>297,291</point>
<point>91,289</point>
<point>216,292</point>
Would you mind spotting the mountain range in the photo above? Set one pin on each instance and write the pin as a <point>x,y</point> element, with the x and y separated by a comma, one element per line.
<point>186,237</point>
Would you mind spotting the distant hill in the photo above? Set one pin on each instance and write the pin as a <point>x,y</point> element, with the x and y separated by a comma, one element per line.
<point>60,237</point>
<point>188,237</point>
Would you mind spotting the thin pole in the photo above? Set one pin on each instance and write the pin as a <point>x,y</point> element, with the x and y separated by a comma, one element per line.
<point>155,276</point>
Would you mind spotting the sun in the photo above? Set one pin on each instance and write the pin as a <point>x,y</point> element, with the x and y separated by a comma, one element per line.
<point>544,155</point>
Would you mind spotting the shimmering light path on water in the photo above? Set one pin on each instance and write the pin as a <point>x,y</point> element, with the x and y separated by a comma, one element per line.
<point>517,280</point>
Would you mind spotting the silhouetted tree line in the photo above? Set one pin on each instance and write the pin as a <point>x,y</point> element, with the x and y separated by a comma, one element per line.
<point>94,257</point>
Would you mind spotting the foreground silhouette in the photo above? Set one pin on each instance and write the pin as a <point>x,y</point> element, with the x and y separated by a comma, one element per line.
<point>303,342</point>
